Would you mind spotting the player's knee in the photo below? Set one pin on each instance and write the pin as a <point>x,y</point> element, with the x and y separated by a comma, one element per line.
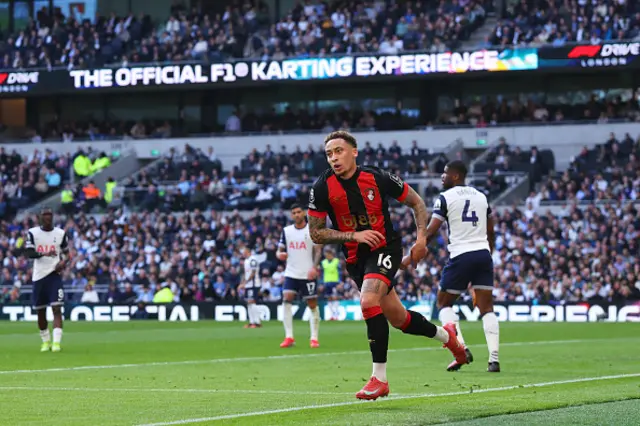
<point>312,303</point>
<point>369,300</point>
<point>444,300</point>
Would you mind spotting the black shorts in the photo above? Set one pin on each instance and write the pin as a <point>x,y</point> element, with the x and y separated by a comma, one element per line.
<point>48,292</point>
<point>381,264</point>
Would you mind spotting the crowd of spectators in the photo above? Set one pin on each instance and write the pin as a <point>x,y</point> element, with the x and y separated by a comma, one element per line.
<point>585,255</point>
<point>25,180</point>
<point>610,171</point>
<point>557,22</point>
<point>491,112</point>
<point>246,29</point>
<point>273,179</point>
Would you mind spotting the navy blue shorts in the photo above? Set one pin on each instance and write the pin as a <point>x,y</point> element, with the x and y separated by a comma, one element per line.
<point>48,292</point>
<point>475,267</point>
<point>251,293</point>
<point>306,289</point>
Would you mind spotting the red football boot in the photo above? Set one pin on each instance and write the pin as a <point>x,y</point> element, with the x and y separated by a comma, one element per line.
<point>373,390</point>
<point>314,344</point>
<point>287,343</point>
<point>454,345</point>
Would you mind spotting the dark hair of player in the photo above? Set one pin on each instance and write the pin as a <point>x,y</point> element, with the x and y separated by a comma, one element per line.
<point>296,206</point>
<point>344,135</point>
<point>459,167</point>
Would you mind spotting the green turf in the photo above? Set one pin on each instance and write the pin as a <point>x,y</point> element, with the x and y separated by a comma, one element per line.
<point>605,414</point>
<point>205,370</point>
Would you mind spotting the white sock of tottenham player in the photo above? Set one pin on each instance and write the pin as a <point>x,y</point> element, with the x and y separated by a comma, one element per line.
<point>250,313</point>
<point>57,335</point>
<point>492,333</point>
<point>44,334</point>
<point>256,314</point>
<point>448,315</point>
<point>287,319</point>
<point>314,322</point>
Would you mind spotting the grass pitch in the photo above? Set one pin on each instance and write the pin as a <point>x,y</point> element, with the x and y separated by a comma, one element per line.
<point>144,373</point>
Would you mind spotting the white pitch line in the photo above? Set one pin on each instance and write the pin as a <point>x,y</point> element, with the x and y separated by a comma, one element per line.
<point>167,390</point>
<point>426,395</point>
<point>277,357</point>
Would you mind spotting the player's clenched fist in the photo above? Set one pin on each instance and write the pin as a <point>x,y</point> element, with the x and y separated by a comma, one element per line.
<point>282,256</point>
<point>369,237</point>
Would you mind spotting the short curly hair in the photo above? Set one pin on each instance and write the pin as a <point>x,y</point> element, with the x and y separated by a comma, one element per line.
<point>344,135</point>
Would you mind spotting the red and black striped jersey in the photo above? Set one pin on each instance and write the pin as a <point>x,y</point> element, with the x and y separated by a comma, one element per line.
<point>357,204</point>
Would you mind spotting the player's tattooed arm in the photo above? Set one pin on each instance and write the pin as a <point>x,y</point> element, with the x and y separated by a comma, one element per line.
<point>320,234</point>
<point>420,212</point>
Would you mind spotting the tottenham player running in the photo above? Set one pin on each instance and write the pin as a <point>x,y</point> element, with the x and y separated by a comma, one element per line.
<point>303,258</point>
<point>355,199</point>
<point>252,285</point>
<point>46,244</point>
<point>471,242</point>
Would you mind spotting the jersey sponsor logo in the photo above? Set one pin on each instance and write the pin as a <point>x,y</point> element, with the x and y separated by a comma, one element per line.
<point>352,220</point>
<point>297,245</point>
<point>45,248</point>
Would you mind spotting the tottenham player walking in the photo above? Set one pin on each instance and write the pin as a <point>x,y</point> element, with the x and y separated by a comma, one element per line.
<point>302,257</point>
<point>48,246</point>
<point>471,242</point>
<point>355,199</point>
<point>252,284</point>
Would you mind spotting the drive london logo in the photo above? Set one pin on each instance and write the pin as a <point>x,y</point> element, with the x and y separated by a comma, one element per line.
<point>17,82</point>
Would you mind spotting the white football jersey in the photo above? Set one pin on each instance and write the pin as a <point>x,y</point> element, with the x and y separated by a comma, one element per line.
<point>252,264</point>
<point>299,248</point>
<point>465,209</point>
<point>43,242</point>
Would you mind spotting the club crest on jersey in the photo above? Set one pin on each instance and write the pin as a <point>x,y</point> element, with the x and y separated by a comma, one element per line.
<point>371,194</point>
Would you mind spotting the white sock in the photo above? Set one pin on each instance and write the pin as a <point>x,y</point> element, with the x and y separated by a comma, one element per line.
<point>250,313</point>
<point>314,323</point>
<point>492,333</point>
<point>287,320</point>
<point>380,371</point>
<point>44,334</point>
<point>57,335</point>
<point>448,315</point>
<point>441,335</point>
<point>256,314</point>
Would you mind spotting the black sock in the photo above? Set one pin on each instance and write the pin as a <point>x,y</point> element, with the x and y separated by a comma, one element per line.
<point>418,325</point>
<point>378,334</point>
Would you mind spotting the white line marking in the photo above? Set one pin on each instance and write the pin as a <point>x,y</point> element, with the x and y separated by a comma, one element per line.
<point>426,395</point>
<point>279,357</point>
<point>167,390</point>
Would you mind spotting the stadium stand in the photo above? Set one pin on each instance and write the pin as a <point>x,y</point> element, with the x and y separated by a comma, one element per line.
<point>479,113</point>
<point>580,256</point>
<point>610,171</point>
<point>24,181</point>
<point>541,22</point>
<point>246,31</point>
